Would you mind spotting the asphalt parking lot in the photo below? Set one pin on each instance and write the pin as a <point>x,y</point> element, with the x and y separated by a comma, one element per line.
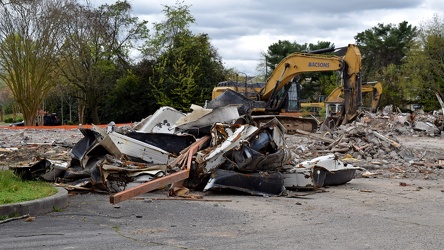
<point>363,214</point>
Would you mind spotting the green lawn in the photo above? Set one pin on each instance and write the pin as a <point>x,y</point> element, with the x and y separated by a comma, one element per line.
<point>13,189</point>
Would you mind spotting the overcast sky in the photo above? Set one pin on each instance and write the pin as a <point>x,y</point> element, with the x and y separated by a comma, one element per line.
<point>241,29</point>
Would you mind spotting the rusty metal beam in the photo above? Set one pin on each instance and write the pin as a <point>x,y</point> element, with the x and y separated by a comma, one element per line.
<point>162,181</point>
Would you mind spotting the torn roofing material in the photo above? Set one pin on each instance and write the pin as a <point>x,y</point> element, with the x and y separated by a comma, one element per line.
<point>232,97</point>
<point>260,183</point>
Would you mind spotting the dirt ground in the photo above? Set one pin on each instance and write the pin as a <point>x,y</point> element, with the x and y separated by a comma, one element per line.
<point>20,147</point>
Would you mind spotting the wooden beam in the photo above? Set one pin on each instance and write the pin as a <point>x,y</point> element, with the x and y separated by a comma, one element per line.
<point>149,186</point>
<point>315,136</point>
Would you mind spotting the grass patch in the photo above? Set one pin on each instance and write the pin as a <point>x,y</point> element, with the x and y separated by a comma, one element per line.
<point>13,189</point>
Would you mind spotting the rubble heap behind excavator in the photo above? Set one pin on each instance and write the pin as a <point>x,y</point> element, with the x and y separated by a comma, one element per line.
<point>279,95</point>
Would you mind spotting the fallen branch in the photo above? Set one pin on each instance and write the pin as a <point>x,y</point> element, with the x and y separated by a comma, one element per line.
<point>15,218</point>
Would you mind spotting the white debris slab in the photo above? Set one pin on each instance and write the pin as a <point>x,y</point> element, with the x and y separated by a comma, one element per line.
<point>139,149</point>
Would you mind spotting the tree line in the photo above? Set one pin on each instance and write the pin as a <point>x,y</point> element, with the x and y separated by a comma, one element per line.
<point>101,64</point>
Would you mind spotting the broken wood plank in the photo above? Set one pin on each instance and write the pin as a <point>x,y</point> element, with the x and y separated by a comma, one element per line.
<point>149,186</point>
<point>336,142</point>
<point>316,136</point>
<point>356,148</point>
<point>393,143</point>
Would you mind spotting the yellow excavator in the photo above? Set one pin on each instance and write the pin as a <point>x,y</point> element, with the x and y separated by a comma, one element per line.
<point>279,96</point>
<point>371,92</point>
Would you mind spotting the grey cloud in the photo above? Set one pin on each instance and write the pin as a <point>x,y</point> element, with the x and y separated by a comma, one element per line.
<point>241,29</point>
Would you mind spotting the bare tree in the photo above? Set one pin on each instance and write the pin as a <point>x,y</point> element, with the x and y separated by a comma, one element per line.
<point>97,42</point>
<point>29,33</point>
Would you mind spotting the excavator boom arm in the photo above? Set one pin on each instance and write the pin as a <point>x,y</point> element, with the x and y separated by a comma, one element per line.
<point>295,64</point>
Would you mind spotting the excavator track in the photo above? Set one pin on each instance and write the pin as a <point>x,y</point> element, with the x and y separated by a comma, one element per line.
<point>290,123</point>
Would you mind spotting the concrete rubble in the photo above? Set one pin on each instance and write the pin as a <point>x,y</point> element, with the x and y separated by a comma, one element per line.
<point>215,149</point>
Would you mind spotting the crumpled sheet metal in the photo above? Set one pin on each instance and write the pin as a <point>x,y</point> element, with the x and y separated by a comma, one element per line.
<point>245,158</point>
<point>41,168</point>
<point>200,121</point>
<point>96,156</point>
<point>246,147</point>
<point>321,171</point>
<point>231,137</point>
<point>110,174</point>
<point>258,183</point>
<point>100,148</point>
<point>172,143</point>
<point>90,138</point>
<point>264,150</point>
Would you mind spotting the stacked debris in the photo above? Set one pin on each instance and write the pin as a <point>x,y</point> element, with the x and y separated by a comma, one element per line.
<point>372,143</point>
<point>212,149</point>
<point>207,149</point>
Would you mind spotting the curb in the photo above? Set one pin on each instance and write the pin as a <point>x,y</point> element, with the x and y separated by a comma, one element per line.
<point>37,207</point>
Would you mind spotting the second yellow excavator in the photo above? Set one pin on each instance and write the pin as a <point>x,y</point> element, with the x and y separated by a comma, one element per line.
<point>278,98</point>
<point>371,92</point>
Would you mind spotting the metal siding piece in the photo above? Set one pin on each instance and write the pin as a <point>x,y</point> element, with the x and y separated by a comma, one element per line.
<point>216,157</point>
<point>161,121</point>
<point>224,114</point>
<point>136,148</point>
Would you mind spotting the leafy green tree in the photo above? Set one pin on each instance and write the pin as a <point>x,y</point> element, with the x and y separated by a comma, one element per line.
<point>29,35</point>
<point>178,89</point>
<point>383,45</point>
<point>424,65</point>
<point>132,98</point>
<point>384,49</point>
<point>187,65</point>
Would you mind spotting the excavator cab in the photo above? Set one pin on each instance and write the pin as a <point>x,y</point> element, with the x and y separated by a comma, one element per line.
<point>292,103</point>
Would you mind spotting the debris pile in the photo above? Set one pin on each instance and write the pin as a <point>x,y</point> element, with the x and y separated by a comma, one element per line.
<point>225,154</point>
<point>212,149</point>
<point>372,143</point>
